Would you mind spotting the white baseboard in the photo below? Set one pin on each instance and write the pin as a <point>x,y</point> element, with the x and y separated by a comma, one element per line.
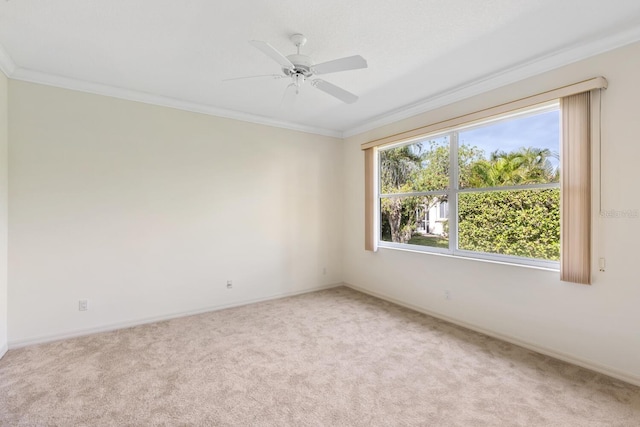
<point>584,363</point>
<point>3,350</point>
<point>128,324</point>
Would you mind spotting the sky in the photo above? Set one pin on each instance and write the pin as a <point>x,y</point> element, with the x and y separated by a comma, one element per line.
<point>540,131</point>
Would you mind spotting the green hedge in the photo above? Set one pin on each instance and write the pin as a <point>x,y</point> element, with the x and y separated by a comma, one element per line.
<point>524,223</point>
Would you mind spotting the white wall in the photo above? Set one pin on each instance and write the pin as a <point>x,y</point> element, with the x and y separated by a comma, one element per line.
<point>146,211</point>
<point>598,325</point>
<point>3,210</point>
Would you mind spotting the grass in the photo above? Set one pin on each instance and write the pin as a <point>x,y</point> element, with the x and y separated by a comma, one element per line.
<point>433,241</point>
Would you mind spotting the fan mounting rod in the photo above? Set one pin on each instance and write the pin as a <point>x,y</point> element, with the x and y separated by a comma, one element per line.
<point>298,40</point>
<point>301,63</point>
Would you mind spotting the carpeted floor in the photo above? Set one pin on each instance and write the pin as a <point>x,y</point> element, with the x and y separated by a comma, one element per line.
<point>329,358</point>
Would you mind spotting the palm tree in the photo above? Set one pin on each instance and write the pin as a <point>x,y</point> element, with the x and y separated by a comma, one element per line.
<point>524,166</point>
<point>537,165</point>
<point>397,166</point>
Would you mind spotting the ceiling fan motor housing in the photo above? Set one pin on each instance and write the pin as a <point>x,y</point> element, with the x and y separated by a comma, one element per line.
<point>302,65</point>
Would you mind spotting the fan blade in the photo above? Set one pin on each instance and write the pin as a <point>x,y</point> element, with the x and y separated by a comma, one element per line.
<point>272,53</point>
<point>343,64</point>
<point>335,91</point>
<point>274,76</point>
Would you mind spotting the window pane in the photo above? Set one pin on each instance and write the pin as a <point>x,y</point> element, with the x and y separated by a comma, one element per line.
<point>517,151</point>
<point>423,166</point>
<point>414,220</point>
<point>524,223</point>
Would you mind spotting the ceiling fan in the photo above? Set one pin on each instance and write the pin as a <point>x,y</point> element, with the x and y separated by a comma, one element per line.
<point>301,68</point>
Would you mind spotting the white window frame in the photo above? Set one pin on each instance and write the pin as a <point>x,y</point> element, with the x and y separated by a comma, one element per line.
<point>453,191</point>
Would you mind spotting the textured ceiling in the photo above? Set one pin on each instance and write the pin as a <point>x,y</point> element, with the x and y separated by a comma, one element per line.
<point>178,52</point>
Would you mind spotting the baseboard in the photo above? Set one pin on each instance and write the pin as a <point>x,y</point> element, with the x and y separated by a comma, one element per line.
<point>129,324</point>
<point>3,350</point>
<point>584,363</point>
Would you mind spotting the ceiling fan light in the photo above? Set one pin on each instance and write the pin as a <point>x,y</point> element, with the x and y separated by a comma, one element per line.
<point>298,79</point>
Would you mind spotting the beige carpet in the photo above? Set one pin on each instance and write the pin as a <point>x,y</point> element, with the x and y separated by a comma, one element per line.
<point>335,357</point>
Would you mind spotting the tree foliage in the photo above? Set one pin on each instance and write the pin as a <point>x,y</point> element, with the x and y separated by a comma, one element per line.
<point>398,166</point>
<point>523,166</point>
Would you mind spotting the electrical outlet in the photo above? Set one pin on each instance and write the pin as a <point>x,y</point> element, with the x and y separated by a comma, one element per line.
<point>324,271</point>
<point>447,295</point>
<point>83,305</point>
<point>229,284</point>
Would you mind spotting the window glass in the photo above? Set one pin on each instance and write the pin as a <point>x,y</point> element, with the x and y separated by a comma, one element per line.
<point>503,203</point>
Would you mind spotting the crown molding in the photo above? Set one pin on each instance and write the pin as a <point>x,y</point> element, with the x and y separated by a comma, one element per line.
<point>530,68</point>
<point>32,76</point>
<point>16,73</point>
<point>7,65</point>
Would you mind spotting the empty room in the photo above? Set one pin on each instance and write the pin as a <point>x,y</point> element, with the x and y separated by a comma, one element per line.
<point>418,213</point>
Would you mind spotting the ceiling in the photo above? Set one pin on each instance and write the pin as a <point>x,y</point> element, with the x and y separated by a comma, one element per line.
<point>421,53</point>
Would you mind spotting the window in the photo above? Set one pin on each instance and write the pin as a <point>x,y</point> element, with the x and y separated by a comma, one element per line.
<point>388,197</point>
<point>489,190</point>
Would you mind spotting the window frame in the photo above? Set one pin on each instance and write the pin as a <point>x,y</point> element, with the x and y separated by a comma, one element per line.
<point>452,192</point>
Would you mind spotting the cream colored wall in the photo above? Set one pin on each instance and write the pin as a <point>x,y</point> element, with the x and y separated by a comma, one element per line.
<point>4,129</point>
<point>146,212</point>
<point>598,325</point>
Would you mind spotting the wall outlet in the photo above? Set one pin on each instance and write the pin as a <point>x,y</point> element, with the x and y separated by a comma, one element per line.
<point>83,305</point>
<point>324,271</point>
<point>229,284</point>
<point>447,295</point>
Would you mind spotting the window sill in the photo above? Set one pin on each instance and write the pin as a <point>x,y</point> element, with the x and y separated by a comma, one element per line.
<point>475,257</point>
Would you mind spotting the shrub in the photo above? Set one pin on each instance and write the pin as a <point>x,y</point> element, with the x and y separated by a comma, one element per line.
<point>523,223</point>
